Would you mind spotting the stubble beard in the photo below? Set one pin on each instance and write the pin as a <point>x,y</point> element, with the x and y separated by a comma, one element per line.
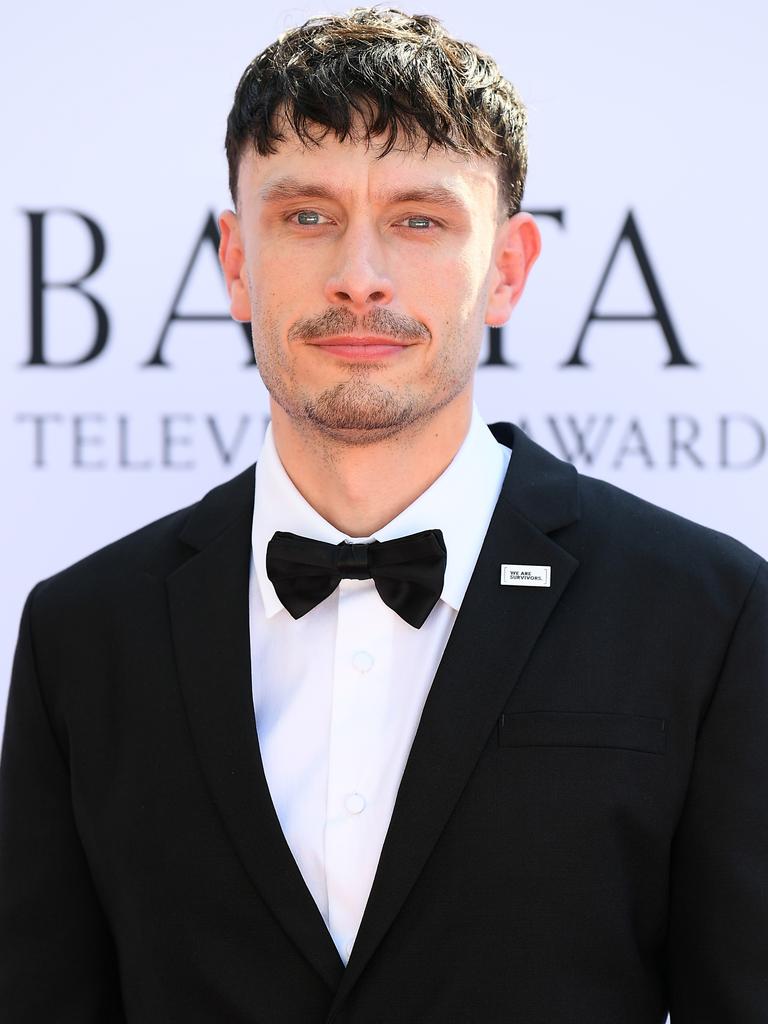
<point>359,411</point>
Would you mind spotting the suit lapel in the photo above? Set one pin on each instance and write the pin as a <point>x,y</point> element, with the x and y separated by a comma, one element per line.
<point>208,598</point>
<point>489,645</point>
<point>492,638</point>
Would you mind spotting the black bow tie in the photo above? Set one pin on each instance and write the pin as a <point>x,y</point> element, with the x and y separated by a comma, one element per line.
<point>407,572</point>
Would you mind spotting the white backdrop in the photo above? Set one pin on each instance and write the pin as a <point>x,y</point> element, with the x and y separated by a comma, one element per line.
<point>647,115</point>
<point>647,123</point>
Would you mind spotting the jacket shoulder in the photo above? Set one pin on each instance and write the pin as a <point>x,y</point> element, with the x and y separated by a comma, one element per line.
<point>151,549</point>
<point>155,549</point>
<point>608,526</point>
<point>627,528</point>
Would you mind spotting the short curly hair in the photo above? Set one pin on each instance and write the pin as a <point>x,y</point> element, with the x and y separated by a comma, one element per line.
<point>399,73</point>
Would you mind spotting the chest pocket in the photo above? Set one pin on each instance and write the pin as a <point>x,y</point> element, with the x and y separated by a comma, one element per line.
<point>583,729</point>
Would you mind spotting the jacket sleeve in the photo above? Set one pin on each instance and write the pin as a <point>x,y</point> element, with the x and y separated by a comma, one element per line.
<point>717,951</point>
<point>57,957</point>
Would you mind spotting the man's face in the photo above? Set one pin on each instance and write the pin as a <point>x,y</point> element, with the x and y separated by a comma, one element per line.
<point>367,281</point>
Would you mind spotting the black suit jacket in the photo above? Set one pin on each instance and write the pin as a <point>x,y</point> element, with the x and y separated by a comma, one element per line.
<point>580,836</point>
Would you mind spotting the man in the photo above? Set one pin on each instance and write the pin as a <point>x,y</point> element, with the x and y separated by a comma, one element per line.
<point>413,723</point>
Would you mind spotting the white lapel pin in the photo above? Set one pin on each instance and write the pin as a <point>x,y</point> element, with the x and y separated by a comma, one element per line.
<point>525,575</point>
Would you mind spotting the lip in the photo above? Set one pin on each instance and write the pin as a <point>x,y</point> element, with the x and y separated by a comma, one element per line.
<point>368,347</point>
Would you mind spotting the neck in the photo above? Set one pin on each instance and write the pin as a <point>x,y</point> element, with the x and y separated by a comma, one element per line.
<point>359,488</point>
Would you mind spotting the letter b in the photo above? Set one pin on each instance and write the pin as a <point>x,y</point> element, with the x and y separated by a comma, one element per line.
<point>38,286</point>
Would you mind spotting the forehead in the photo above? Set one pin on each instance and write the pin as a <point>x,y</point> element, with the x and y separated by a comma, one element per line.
<point>357,168</point>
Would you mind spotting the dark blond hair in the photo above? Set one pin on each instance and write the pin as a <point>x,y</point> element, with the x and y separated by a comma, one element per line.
<point>402,74</point>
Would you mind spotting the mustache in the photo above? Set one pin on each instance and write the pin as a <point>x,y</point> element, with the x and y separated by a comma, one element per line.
<point>341,321</point>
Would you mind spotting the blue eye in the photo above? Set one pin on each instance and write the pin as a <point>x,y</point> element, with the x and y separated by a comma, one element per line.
<point>419,222</point>
<point>308,217</point>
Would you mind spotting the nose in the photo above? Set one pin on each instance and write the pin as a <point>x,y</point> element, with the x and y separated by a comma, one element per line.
<point>358,278</point>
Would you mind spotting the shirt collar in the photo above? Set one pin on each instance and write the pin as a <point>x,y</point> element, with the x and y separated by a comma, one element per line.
<point>477,469</point>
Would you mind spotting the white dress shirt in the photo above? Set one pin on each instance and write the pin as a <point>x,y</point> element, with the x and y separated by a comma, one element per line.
<point>339,692</point>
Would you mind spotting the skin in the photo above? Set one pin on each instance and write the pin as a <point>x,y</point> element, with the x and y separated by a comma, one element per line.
<point>362,438</point>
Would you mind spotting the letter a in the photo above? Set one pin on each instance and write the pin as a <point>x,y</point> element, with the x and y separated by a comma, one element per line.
<point>629,233</point>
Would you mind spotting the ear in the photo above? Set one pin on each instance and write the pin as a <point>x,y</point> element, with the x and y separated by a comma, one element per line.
<point>232,259</point>
<point>517,247</point>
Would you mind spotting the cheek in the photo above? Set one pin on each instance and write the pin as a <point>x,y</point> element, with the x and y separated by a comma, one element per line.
<point>461,286</point>
<point>444,278</point>
<point>277,284</point>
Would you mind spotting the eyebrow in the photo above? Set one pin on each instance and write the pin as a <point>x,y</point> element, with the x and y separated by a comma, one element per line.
<point>287,188</point>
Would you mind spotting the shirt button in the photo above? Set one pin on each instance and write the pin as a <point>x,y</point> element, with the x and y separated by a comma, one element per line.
<point>363,661</point>
<point>354,803</point>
